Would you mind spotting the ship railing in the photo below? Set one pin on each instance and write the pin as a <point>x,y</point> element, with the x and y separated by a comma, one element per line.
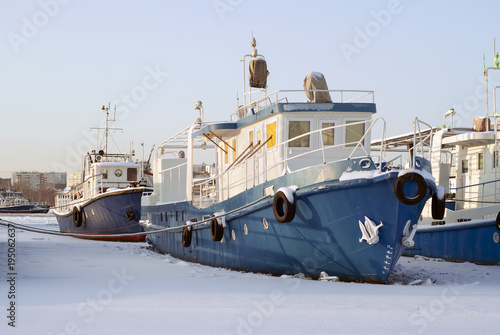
<point>80,193</point>
<point>475,195</point>
<point>337,96</point>
<point>421,141</point>
<point>174,189</point>
<point>224,185</point>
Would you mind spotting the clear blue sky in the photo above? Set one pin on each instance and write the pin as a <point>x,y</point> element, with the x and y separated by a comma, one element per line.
<point>63,59</point>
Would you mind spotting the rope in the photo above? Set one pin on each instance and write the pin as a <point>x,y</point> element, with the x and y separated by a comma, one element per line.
<point>171,229</point>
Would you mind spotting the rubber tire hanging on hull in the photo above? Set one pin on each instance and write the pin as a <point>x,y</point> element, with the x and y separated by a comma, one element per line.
<point>77,217</point>
<point>421,191</point>
<point>187,235</point>
<point>286,214</point>
<point>437,207</point>
<point>497,221</point>
<point>216,230</point>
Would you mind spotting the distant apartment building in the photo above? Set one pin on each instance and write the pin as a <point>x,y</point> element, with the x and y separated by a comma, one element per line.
<point>73,179</point>
<point>38,180</point>
<point>4,184</point>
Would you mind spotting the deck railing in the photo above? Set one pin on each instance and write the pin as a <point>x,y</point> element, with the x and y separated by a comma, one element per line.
<point>256,170</point>
<point>475,195</point>
<point>79,193</point>
<point>342,96</point>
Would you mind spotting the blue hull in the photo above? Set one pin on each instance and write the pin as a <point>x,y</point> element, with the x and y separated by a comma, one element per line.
<point>474,241</point>
<point>108,214</point>
<point>323,236</point>
<point>24,209</point>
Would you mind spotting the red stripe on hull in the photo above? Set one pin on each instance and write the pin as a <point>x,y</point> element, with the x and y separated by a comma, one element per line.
<point>109,237</point>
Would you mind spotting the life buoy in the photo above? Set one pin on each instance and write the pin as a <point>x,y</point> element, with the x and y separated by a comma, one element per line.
<point>421,191</point>
<point>77,217</point>
<point>187,235</point>
<point>497,221</point>
<point>216,230</point>
<point>437,207</point>
<point>283,210</point>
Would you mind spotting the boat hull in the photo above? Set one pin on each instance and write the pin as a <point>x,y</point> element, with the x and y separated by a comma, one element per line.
<point>323,236</point>
<point>474,241</point>
<point>24,209</point>
<point>107,214</point>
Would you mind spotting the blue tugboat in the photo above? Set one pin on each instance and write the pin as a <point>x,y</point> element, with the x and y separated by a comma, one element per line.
<point>108,200</point>
<point>292,187</point>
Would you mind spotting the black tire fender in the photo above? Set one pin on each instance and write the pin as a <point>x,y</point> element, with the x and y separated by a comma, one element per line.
<point>77,217</point>
<point>187,235</point>
<point>216,230</point>
<point>283,210</point>
<point>421,191</point>
<point>437,207</point>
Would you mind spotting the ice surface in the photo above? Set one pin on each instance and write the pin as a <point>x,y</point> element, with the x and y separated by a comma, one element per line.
<point>72,286</point>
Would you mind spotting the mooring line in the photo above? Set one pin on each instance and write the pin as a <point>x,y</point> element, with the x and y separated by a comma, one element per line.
<point>7,223</point>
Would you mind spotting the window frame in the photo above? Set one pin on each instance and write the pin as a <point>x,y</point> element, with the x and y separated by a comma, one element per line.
<point>336,131</point>
<point>311,128</point>
<point>344,132</point>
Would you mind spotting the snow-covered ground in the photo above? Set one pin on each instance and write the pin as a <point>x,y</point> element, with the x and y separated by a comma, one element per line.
<point>68,286</point>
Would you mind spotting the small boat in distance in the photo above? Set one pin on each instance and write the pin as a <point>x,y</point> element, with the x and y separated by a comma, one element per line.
<point>13,202</point>
<point>108,199</point>
<point>292,187</point>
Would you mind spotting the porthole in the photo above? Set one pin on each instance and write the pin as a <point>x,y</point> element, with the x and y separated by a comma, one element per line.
<point>118,173</point>
<point>365,163</point>
<point>496,238</point>
<point>265,224</point>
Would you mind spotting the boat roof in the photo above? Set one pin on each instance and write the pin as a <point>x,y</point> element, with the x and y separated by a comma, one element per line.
<point>230,128</point>
<point>405,140</point>
<point>116,164</point>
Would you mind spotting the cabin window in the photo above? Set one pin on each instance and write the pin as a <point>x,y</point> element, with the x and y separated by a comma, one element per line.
<point>131,174</point>
<point>183,216</point>
<point>166,216</point>
<point>495,159</point>
<point>104,174</point>
<point>226,153</point>
<point>271,132</point>
<point>354,133</point>
<point>480,161</point>
<point>465,166</point>
<point>250,137</point>
<point>234,150</point>
<point>161,217</point>
<point>297,128</point>
<point>328,136</point>
<point>259,138</point>
<point>176,215</point>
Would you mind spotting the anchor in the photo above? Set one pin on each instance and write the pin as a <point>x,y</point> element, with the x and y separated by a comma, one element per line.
<point>369,231</point>
<point>408,236</point>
